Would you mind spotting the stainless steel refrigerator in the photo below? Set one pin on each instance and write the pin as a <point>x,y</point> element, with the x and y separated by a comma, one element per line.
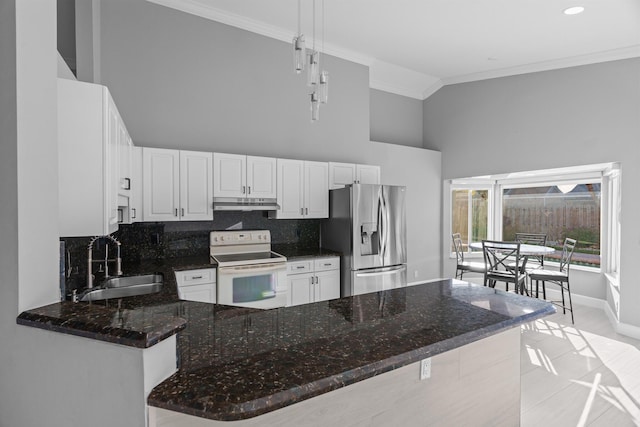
<point>367,225</point>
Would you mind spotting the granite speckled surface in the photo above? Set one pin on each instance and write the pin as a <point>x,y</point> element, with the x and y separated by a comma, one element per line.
<point>237,364</point>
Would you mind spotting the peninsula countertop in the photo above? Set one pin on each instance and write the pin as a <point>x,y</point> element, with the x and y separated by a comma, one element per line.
<point>237,364</point>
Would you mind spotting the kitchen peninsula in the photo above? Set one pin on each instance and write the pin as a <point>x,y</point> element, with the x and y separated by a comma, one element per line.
<point>353,360</point>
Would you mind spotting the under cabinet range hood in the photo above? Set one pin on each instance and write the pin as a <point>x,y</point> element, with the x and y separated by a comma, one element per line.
<point>241,204</point>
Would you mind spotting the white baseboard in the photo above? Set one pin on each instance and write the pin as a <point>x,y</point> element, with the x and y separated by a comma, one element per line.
<point>554,294</point>
<point>621,328</point>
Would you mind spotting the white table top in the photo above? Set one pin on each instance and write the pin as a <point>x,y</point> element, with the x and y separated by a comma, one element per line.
<point>525,249</point>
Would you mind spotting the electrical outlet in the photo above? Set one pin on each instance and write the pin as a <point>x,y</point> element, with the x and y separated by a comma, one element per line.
<point>425,369</point>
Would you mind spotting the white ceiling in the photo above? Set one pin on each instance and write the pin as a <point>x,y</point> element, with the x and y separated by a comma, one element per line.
<point>414,47</point>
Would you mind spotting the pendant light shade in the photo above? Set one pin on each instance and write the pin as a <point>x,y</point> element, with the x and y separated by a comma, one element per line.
<point>315,107</point>
<point>299,49</point>
<point>313,70</point>
<point>299,53</point>
<point>323,87</point>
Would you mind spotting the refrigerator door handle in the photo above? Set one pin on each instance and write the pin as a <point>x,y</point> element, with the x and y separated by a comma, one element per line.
<point>382,271</point>
<point>382,229</point>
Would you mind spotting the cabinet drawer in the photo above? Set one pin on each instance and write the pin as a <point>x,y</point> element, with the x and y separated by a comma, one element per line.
<point>196,277</point>
<point>323,264</point>
<point>296,267</point>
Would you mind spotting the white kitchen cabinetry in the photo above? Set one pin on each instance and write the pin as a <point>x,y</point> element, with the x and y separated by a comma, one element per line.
<point>197,285</point>
<point>313,280</point>
<point>177,185</point>
<point>135,198</point>
<point>93,162</point>
<point>341,174</point>
<point>241,176</point>
<point>303,190</point>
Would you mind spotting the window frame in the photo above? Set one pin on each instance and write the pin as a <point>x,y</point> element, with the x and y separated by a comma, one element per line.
<point>607,174</point>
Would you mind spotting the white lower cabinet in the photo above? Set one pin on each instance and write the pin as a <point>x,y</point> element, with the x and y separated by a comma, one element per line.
<point>313,280</point>
<point>197,285</point>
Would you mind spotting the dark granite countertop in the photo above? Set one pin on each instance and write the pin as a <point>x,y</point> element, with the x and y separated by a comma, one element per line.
<point>293,252</point>
<point>137,321</point>
<point>237,364</point>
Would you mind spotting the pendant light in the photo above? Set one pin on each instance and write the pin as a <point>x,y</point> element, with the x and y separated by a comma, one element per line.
<point>314,55</point>
<point>299,50</point>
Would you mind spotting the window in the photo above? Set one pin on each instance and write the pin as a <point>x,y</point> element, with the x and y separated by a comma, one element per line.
<point>558,211</point>
<point>470,214</point>
<point>581,202</point>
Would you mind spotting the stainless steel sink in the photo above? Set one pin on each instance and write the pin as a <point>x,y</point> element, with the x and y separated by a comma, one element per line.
<point>120,287</point>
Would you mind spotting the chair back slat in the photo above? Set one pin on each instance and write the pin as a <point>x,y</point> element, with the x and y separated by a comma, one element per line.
<point>503,263</point>
<point>533,239</point>
<point>567,254</point>
<point>457,245</point>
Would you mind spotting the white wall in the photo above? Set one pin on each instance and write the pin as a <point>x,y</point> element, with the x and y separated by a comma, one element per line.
<point>395,119</point>
<point>574,116</point>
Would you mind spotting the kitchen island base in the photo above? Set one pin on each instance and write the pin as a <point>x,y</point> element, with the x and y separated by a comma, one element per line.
<point>475,384</point>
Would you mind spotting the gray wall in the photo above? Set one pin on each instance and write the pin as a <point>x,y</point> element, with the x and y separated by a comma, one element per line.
<point>181,80</point>
<point>574,116</point>
<point>395,119</point>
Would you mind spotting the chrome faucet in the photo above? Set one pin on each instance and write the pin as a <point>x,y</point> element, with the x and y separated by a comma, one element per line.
<point>106,260</point>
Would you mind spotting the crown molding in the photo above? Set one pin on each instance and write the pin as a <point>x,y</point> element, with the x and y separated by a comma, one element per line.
<point>606,56</point>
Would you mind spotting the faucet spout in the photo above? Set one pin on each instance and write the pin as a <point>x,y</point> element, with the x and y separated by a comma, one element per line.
<point>106,260</point>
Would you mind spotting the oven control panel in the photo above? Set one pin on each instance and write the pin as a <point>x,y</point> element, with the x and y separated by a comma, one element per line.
<point>239,237</point>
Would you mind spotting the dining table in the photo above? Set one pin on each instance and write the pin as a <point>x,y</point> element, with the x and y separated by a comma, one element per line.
<point>526,250</point>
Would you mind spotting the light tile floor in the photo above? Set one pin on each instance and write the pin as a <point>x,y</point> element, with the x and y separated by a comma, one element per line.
<point>579,375</point>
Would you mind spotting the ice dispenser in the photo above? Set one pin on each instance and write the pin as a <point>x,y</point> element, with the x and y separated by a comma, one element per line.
<point>369,238</point>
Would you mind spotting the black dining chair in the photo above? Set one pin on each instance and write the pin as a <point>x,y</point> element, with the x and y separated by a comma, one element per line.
<point>534,261</point>
<point>504,264</point>
<point>462,264</point>
<point>560,277</point>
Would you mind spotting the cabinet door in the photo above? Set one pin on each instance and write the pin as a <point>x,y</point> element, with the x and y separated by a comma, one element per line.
<point>230,174</point>
<point>316,190</point>
<point>341,174</point>
<point>301,288</point>
<point>367,174</point>
<point>200,293</point>
<point>125,146</point>
<point>328,286</point>
<point>196,186</point>
<point>160,168</point>
<point>290,188</point>
<point>261,177</point>
<point>112,157</point>
<point>135,198</point>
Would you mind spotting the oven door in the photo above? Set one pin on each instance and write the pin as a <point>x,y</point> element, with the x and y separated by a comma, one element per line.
<point>256,285</point>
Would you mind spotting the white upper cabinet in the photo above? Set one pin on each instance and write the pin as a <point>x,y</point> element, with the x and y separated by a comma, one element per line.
<point>261,177</point>
<point>302,189</point>
<point>196,186</point>
<point>177,185</point>
<point>341,174</point>
<point>241,176</point>
<point>92,160</point>
<point>135,199</point>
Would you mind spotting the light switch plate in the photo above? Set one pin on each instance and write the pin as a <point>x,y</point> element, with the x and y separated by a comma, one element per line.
<point>425,369</point>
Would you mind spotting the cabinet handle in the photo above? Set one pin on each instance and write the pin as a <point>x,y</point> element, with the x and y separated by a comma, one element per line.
<point>182,210</point>
<point>243,189</point>
<point>133,211</point>
<point>127,184</point>
<point>196,277</point>
<point>327,265</point>
<point>249,187</point>
<point>299,267</point>
<point>306,211</point>
<point>176,212</point>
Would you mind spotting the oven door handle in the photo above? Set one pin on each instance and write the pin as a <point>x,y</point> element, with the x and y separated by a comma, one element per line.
<point>254,267</point>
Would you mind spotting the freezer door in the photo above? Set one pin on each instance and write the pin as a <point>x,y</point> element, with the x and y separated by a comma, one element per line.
<point>379,230</point>
<point>378,279</point>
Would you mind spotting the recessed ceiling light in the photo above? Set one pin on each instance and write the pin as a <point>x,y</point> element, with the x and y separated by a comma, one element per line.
<point>573,10</point>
